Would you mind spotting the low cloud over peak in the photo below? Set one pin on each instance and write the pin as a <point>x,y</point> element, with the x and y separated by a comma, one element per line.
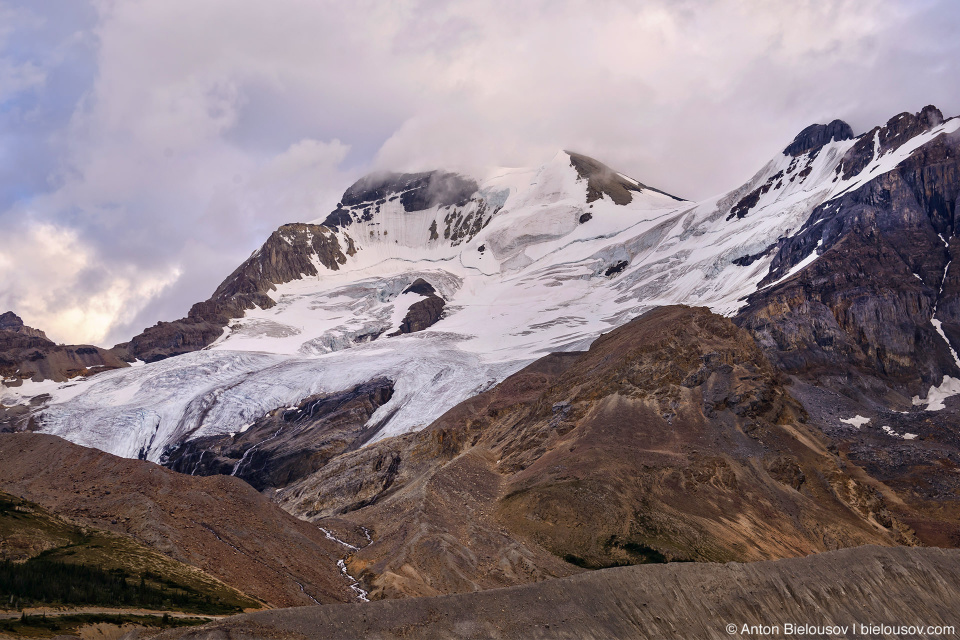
<point>162,140</point>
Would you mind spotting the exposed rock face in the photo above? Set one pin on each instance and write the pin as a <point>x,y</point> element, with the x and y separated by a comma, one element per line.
<point>424,313</point>
<point>218,524</point>
<point>898,130</point>
<point>856,318</point>
<point>288,444</point>
<point>864,307</point>
<point>291,252</point>
<point>28,531</point>
<point>10,321</point>
<point>816,135</point>
<point>671,439</point>
<point>416,192</point>
<point>602,180</point>
<point>869,585</point>
<point>27,354</point>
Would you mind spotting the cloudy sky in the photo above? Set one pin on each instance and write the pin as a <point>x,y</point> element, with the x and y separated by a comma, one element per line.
<point>148,146</point>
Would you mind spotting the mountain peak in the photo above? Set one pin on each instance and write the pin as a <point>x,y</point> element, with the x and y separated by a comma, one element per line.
<point>416,192</point>
<point>602,180</point>
<point>10,321</point>
<point>906,125</point>
<point>817,135</point>
<point>930,116</point>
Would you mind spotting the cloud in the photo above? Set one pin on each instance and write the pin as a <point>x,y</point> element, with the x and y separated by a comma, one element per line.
<point>172,136</point>
<point>57,284</point>
<point>15,78</point>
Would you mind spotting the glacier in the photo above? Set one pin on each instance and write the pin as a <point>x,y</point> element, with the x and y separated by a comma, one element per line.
<point>540,276</point>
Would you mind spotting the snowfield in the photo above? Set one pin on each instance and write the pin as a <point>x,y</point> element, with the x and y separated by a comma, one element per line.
<point>534,280</point>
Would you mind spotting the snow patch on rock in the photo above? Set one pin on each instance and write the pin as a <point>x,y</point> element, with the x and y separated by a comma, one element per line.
<point>949,387</point>
<point>856,421</point>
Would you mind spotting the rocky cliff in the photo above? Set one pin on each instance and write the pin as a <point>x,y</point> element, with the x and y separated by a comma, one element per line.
<point>27,354</point>
<point>288,444</point>
<point>864,314</point>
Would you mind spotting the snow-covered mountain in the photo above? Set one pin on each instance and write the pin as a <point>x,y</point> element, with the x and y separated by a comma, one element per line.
<point>446,284</point>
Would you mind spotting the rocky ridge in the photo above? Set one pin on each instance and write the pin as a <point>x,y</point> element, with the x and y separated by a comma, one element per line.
<point>291,252</point>
<point>11,322</point>
<point>872,307</point>
<point>604,181</point>
<point>288,444</point>
<point>864,586</point>
<point>218,524</point>
<point>27,354</point>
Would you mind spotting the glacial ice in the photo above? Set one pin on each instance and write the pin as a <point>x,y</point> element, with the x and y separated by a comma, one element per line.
<point>538,286</point>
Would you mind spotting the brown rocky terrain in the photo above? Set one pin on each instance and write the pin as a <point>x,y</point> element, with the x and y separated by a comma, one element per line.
<point>28,531</point>
<point>27,354</point>
<point>914,455</point>
<point>423,313</point>
<point>218,524</point>
<point>863,586</point>
<point>10,321</point>
<point>672,438</point>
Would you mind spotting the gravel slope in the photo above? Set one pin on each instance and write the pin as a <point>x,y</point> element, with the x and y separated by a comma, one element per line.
<point>866,585</point>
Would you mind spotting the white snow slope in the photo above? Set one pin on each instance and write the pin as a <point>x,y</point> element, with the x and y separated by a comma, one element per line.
<point>539,285</point>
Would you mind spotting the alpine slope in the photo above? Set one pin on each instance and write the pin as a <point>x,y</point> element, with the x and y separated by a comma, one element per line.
<point>446,284</point>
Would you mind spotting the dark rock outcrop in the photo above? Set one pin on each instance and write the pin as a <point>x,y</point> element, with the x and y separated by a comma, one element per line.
<point>899,129</point>
<point>287,444</point>
<point>27,354</point>
<point>288,254</point>
<point>10,321</point>
<point>856,318</point>
<point>863,309</point>
<point>799,169</point>
<point>462,226</point>
<point>416,192</point>
<point>602,180</point>
<point>423,313</point>
<point>817,135</point>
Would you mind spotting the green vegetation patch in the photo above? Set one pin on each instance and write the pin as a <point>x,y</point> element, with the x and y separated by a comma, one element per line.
<point>42,626</point>
<point>42,581</point>
<point>46,560</point>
